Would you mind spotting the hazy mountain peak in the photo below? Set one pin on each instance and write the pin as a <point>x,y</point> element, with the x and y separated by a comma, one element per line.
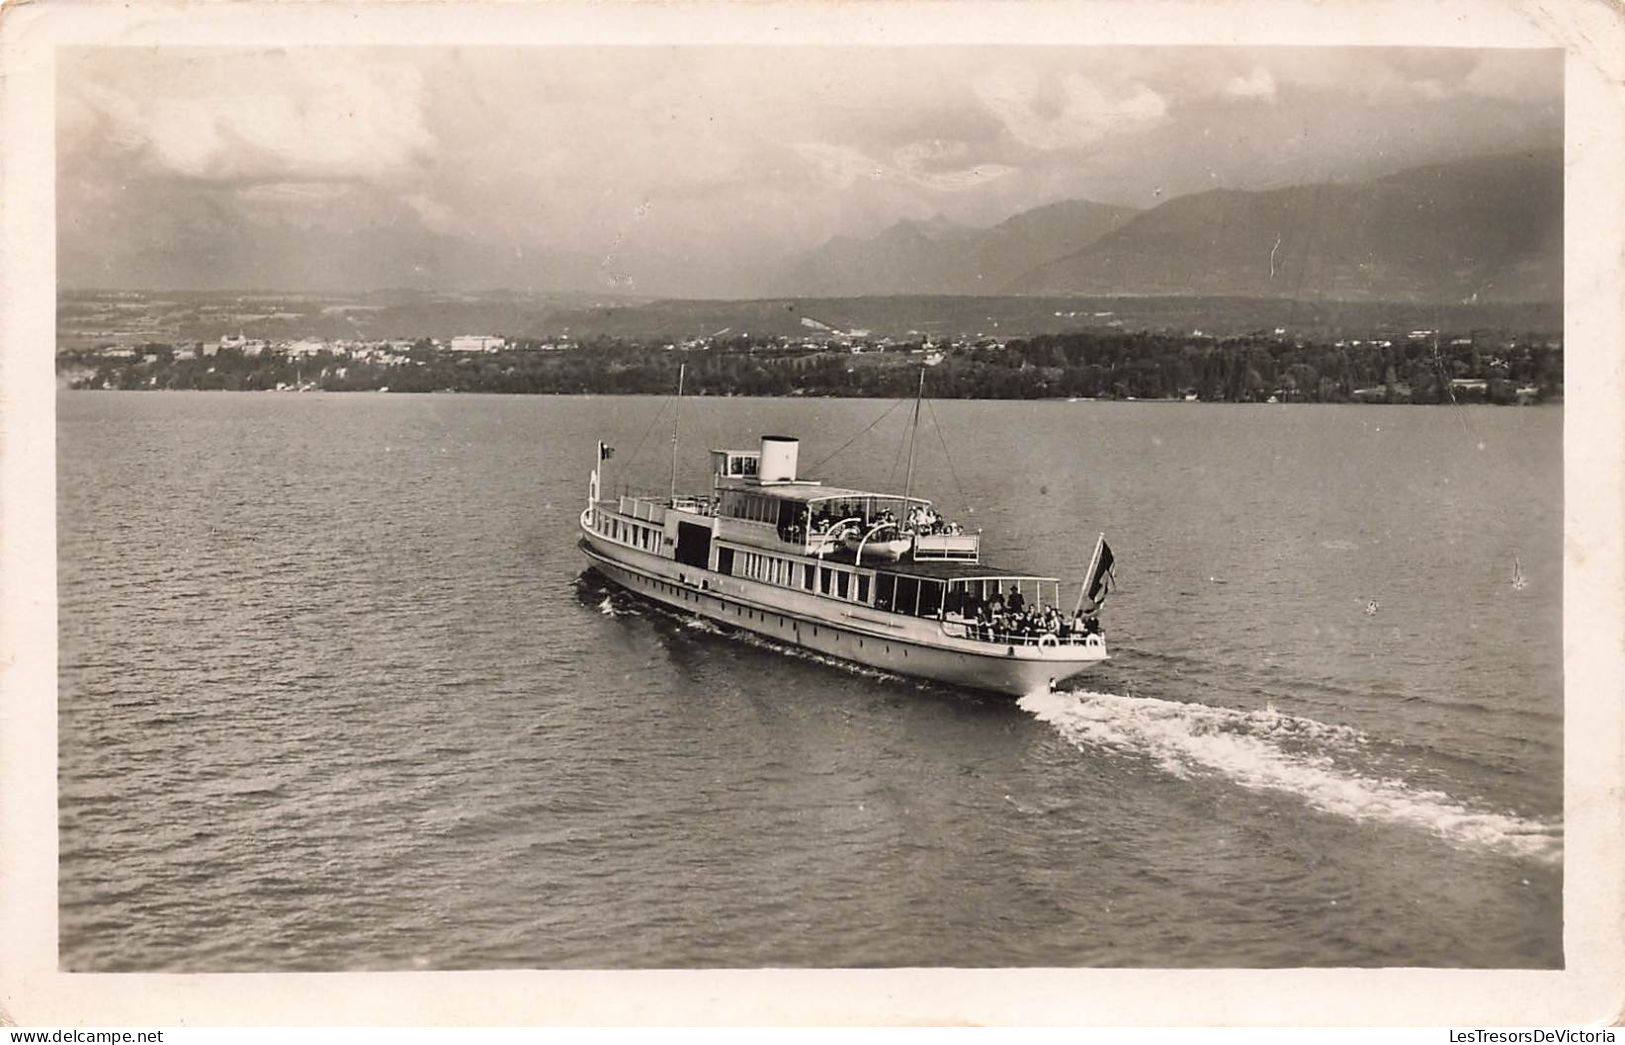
<point>940,256</point>
<point>1485,228</point>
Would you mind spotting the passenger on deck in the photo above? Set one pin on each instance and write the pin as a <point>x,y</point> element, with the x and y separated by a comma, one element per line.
<point>1015,601</point>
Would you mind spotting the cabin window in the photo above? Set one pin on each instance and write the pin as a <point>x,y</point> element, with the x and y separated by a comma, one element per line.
<point>823,579</point>
<point>930,598</point>
<point>908,594</point>
<point>841,578</point>
<point>885,590</point>
<point>863,588</point>
<point>807,577</point>
<point>725,561</point>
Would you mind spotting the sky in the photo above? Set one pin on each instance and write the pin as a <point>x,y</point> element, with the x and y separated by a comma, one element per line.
<point>699,171</point>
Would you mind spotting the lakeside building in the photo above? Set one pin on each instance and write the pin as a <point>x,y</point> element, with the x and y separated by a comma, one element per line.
<point>477,343</point>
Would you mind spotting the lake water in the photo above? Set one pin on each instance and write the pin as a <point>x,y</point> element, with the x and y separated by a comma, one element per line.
<point>337,692</point>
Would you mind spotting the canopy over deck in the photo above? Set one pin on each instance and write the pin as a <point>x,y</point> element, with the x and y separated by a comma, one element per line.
<point>807,492</point>
<point>944,571</point>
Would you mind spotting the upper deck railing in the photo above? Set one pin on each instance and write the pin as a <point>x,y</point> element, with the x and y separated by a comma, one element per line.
<point>653,509</point>
<point>948,547</point>
<point>1067,635</point>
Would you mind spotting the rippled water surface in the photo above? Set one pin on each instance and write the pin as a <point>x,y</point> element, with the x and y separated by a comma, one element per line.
<point>337,692</point>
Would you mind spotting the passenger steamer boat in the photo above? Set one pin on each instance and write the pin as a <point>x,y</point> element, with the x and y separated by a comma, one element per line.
<point>790,559</point>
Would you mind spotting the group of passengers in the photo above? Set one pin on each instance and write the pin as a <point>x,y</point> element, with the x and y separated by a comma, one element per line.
<point>923,519</point>
<point>1002,619</point>
<point>920,519</point>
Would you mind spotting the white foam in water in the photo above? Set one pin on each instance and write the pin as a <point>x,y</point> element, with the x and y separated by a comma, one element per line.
<point>1245,747</point>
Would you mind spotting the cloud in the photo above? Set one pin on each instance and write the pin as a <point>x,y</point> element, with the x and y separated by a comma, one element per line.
<point>1083,114</point>
<point>301,117</point>
<point>1258,84</point>
<point>842,166</point>
<point>696,166</point>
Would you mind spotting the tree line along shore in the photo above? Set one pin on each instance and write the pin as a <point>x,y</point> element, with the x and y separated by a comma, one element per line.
<point>1418,367</point>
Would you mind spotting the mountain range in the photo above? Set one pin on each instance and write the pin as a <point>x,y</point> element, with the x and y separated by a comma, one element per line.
<point>938,256</point>
<point>1485,229</point>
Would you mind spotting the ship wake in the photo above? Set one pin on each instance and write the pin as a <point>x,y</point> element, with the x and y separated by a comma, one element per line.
<point>1270,751</point>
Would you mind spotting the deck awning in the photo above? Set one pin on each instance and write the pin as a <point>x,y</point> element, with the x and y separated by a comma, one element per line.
<point>944,571</point>
<point>808,493</point>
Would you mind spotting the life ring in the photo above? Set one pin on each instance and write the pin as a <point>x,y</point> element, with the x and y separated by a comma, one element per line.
<point>1095,641</point>
<point>1048,641</point>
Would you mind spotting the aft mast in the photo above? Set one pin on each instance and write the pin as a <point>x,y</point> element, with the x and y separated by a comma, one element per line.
<point>908,476</point>
<point>676,414</point>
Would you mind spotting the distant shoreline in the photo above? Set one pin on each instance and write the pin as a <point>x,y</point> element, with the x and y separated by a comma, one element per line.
<point>65,389</point>
<point>1422,366</point>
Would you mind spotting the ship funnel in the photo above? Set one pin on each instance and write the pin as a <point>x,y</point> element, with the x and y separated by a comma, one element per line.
<point>779,453</point>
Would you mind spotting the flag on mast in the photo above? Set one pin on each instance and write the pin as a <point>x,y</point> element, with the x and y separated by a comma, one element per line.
<point>1100,580</point>
<point>605,451</point>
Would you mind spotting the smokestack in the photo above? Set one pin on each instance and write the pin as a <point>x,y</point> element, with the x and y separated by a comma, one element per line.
<point>778,460</point>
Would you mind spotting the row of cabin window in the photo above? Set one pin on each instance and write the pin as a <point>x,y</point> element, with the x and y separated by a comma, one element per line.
<point>755,507</point>
<point>915,596</point>
<point>645,537</point>
<point>771,569</point>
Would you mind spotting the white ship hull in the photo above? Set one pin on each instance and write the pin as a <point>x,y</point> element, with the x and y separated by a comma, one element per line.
<point>848,631</point>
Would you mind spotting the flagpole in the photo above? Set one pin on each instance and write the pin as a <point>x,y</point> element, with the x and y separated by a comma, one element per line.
<point>1089,576</point>
<point>595,488</point>
<point>908,477</point>
<point>676,413</point>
